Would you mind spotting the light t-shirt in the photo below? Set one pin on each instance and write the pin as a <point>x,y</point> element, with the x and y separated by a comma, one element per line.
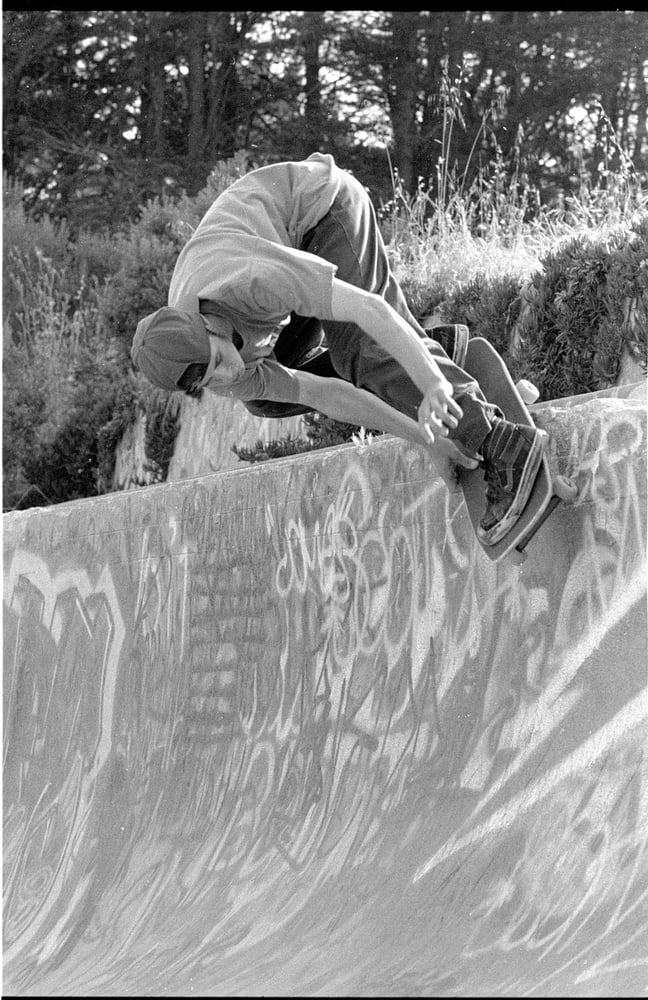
<point>244,271</point>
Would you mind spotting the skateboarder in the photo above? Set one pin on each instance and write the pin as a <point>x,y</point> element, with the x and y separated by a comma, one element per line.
<point>284,299</point>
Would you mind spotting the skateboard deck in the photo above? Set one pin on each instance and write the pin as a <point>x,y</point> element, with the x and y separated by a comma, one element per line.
<point>485,364</point>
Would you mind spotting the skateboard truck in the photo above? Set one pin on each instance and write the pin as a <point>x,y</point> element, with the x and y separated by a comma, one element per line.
<point>565,490</point>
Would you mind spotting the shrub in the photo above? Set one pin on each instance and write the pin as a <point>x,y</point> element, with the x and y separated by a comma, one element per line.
<point>61,383</point>
<point>489,306</point>
<point>24,399</point>
<point>25,241</point>
<point>626,285</point>
<point>24,234</point>
<point>588,300</point>
<point>84,260</point>
<point>122,415</point>
<point>161,410</point>
<point>65,465</point>
<point>140,286</point>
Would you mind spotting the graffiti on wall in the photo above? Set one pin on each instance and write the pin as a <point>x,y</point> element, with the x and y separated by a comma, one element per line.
<point>309,686</point>
<point>471,676</point>
<point>58,729</point>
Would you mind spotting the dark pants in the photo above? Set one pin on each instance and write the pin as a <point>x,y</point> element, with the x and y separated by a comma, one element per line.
<point>349,237</point>
<point>301,344</point>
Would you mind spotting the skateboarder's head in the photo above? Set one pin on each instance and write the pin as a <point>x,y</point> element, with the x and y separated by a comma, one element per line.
<point>175,351</point>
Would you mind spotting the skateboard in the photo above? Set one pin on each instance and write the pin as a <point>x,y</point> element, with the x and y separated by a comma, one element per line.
<point>485,364</point>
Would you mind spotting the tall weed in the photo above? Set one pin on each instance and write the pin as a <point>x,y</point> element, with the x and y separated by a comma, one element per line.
<point>61,381</point>
<point>465,252</point>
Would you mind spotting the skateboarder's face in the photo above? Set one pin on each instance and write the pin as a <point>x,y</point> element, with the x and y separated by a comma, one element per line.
<point>225,363</point>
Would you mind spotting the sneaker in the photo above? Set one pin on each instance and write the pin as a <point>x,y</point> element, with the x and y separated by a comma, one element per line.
<point>453,338</point>
<point>512,455</point>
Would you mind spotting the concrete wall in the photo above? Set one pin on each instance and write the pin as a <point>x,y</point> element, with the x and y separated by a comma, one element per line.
<point>287,731</point>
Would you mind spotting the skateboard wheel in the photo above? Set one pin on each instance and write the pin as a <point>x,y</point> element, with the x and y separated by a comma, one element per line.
<point>528,391</point>
<point>565,488</point>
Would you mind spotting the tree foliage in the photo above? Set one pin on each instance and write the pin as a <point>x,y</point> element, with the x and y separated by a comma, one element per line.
<point>106,109</point>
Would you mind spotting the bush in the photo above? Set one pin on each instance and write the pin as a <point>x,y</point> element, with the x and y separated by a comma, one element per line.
<point>626,285</point>
<point>140,286</point>
<point>24,242</point>
<point>582,308</point>
<point>161,410</point>
<point>80,262</point>
<point>62,380</point>
<point>489,307</point>
<point>24,399</point>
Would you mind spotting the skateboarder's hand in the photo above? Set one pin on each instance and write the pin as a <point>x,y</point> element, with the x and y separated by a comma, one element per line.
<point>449,450</point>
<point>439,413</point>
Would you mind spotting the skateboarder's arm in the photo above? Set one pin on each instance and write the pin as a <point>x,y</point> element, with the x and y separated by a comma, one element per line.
<point>382,323</point>
<point>343,401</point>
